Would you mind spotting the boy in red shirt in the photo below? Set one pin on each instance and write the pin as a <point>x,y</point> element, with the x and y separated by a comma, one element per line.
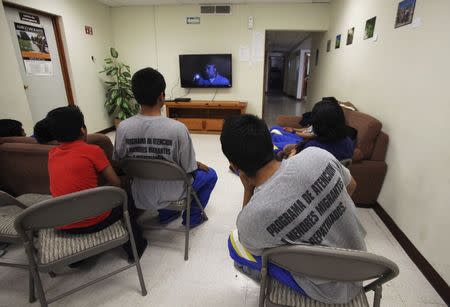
<point>75,166</point>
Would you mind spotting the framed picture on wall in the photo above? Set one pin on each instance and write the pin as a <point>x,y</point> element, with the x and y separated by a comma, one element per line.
<point>350,36</point>
<point>405,13</point>
<point>338,42</point>
<point>328,45</point>
<point>370,27</point>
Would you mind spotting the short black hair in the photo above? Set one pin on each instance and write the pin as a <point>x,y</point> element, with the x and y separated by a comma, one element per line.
<point>328,120</point>
<point>147,85</point>
<point>10,127</point>
<point>42,132</point>
<point>65,123</point>
<point>246,142</point>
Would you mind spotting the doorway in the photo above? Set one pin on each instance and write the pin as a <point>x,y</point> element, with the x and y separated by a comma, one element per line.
<point>286,73</point>
<point>37,41</point>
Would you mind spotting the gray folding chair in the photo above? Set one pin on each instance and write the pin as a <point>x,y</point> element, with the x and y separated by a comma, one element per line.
<point>324,263</point>
<point>55,249</point>
<point>154,169</point>
<point>10,208</point>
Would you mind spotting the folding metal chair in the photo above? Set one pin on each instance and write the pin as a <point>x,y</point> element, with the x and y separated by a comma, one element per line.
<point>154,169</point>
<point>56,249</point>
<point>324,263</point>
<point>10,208</point>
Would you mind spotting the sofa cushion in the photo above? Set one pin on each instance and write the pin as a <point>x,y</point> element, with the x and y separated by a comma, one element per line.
<point>368,129</point>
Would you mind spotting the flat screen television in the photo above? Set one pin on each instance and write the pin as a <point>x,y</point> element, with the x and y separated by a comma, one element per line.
<point>205,70</point>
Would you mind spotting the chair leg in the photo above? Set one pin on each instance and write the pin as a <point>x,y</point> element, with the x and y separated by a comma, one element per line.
<point>39,288</point>
<point>135,254</point>
<point>36,279</point>
<point>31,296</point>
<point>186,230</point>
<point>199,204</point>
<point>377,296</point>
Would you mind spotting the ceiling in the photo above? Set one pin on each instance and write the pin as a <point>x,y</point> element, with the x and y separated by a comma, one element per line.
<point>160,2</point>
<point>284,40</point>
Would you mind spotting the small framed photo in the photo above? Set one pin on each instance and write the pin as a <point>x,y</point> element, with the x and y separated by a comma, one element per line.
<point>405,13</point>
<point>328,45</point>
<point>350,36</point>
<point>370,27</point>
<point>338,42</point>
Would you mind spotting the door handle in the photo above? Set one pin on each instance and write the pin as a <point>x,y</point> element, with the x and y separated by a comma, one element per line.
<point>25,87</point>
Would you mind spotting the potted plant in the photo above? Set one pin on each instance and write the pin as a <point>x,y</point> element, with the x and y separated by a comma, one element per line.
<point>119,97</point>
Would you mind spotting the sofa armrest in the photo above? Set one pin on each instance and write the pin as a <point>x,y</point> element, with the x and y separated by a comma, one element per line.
<point>103,141</point>
<point>380,147</point>
<point>289,121</point>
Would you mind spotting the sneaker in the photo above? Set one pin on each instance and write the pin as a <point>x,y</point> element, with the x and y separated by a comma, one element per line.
<point>193,225</point>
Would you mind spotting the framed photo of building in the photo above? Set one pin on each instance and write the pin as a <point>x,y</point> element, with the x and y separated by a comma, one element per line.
<point>405,13</point>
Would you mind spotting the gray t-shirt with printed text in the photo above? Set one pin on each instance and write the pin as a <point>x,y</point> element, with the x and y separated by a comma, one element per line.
<point>305,202</point>
<point>155,137</point>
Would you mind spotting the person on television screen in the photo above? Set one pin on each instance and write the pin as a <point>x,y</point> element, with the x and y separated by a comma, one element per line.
<point>212,77</point>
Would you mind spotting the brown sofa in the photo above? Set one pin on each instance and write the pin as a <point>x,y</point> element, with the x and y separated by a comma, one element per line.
<point>23,163</point>
<point>368,163</point>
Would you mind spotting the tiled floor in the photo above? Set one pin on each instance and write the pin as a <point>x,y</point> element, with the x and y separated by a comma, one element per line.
<point>278,104</point>
<point>208,278</point>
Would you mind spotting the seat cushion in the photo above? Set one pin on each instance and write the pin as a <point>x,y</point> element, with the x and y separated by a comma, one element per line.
<point>9,213</point>
<point>7,216</point>
<point>55,245</point>
<point>282,295</point>
<point>31,199</point>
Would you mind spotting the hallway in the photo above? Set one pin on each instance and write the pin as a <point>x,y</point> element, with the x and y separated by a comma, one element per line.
<point>279,104</point>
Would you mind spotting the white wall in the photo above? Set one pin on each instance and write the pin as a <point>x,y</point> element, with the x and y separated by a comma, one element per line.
<point>155,36</point>
<point>86,84</point>
<point>402,79</point>
<point>13,101</point>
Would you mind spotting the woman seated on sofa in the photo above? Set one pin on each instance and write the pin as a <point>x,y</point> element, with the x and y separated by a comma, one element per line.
<point>329,132</point>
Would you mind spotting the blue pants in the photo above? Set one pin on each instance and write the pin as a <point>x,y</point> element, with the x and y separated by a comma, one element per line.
<point>251,264</point>
<point>281,138</point>
<point>204,183</point>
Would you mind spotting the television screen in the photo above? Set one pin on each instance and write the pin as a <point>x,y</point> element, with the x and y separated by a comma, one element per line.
<point>205,70</point>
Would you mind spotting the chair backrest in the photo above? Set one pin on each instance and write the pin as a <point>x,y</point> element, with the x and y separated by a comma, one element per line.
<point>153,169</point>
<point>331,264</point>
<point>70,208</point>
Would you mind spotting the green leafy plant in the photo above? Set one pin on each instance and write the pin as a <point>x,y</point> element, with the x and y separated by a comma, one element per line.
<point>119,97</point>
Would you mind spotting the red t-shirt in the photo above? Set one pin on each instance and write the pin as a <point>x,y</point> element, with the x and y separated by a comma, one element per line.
<point>73,167</point>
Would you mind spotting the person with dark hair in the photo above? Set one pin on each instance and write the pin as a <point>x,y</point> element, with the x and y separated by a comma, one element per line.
<point>330,131</point>
<point>210,77</point>
<point>75,166</point>
<point>301,200</point>
<point>11,127</point>
<point>149,135</point>
<point>41,132</point>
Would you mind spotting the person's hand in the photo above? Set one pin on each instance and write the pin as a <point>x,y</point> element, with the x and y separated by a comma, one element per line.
<point>202,166</point>
<point>288,129</point>
<point>246,182</point>
<point>292,153</point>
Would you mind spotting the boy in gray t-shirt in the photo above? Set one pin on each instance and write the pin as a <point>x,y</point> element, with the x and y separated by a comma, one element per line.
<point>302,200</point>
<point>149,135</point>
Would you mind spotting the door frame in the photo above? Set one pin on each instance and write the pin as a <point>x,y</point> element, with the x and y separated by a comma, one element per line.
<point>59,43</point>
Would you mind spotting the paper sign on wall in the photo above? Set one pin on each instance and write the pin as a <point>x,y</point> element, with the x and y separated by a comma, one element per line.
<point>244,53</point>
<point>258,47</point>
<point>34,49</point>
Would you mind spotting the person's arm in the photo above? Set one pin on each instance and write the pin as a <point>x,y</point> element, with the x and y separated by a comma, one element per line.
<point>110,176</point>
<point>351,187</point>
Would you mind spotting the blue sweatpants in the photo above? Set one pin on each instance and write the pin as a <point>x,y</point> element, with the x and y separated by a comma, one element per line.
<point>242,257</point>
<point>281,138</point>
<point>204,183</point>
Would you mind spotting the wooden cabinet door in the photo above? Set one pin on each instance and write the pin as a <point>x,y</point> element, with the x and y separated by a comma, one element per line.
<point>214,124</point>
<point>192,123</point>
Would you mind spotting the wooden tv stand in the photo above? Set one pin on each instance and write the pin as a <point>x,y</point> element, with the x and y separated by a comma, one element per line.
<point>204,116</point>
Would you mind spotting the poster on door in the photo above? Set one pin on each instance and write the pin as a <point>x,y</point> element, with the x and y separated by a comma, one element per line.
<point>34,49</point>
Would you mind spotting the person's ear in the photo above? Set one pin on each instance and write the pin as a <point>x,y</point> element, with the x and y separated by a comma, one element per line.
<point>83,131</point>
<point>162,97</point>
